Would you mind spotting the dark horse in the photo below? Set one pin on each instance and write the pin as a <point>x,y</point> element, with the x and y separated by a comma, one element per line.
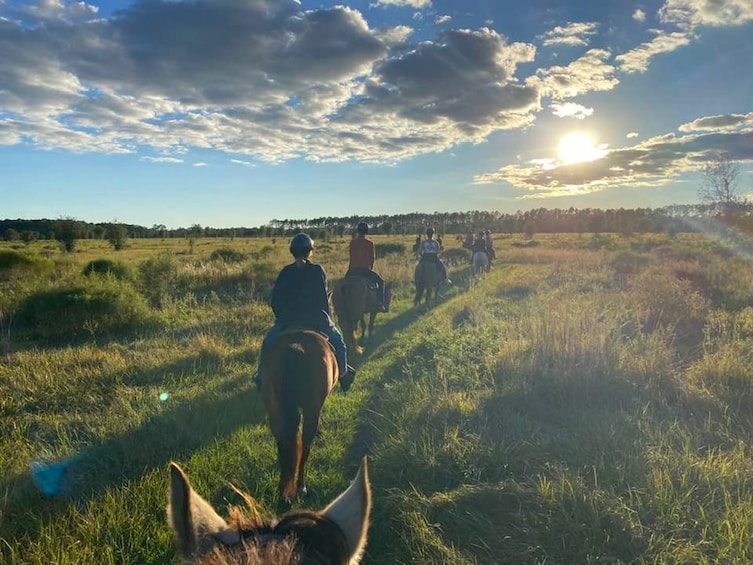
<point>335,535</point>
<point>353,297</point>
<point>299,371</point>
<point>428,277</point>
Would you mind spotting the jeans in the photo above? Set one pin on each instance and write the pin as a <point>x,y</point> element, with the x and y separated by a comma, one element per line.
<point>330,330</point>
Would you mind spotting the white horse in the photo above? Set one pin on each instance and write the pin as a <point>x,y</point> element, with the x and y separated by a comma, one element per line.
<point>480,263</point>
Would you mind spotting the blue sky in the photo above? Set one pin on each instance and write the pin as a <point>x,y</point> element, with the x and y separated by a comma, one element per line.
<point>234,112</point>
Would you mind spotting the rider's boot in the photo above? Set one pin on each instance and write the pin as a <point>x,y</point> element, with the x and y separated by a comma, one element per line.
<point>346,380</point>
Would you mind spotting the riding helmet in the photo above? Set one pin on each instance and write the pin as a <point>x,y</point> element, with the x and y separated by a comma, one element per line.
<point>362,227</point>
<point>301,243</point>
<point>429,231</point>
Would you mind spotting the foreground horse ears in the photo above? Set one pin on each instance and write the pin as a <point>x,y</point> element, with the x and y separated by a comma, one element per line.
<point>195,523</point>
<point>198,527</point>
<point>350,511</point>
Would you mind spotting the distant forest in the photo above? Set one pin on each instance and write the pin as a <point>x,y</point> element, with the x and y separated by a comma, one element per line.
<point>668,219</point>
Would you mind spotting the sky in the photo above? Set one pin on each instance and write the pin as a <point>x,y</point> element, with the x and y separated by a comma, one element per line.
<point>229,113</point>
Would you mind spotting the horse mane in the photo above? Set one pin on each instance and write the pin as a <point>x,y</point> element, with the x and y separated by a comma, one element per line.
<point>300,537</point>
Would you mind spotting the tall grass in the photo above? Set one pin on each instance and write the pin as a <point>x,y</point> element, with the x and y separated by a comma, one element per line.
<point>581,404</point>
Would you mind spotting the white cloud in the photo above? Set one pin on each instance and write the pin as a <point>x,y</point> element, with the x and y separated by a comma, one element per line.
<point>689,14</point>
<point>589,73</point>
<point>160,159</point>
<point>728,122</point>
<point>571,110</point>
<point>632,135</point>
<point>242,163</point>
<point>573,34</point>
<point>443,20</point>
<point>411,3</point>
<point>637,60</point>
<point>200,164</point>
<point>639,15</point>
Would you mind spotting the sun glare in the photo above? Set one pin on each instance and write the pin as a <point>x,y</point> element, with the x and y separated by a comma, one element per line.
<point>577,147</point>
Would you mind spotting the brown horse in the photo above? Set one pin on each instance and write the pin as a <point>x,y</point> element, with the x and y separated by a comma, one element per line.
<point>335,535</point>
<point>299,371</point>
<point>427,278</point>
<point>352,298</point>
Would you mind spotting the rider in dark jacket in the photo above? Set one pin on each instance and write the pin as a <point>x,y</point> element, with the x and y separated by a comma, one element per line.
<point>300,297</point>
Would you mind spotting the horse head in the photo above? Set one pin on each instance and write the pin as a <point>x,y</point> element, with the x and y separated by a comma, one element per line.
<point>336,534</point>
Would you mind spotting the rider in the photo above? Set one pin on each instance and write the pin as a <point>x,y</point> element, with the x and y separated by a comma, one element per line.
<point>299,297</point>
<point>362,255</point>
<point>480,245</point>
<point>430,252</point>
<point>490,246</point>
<point>468,243</point>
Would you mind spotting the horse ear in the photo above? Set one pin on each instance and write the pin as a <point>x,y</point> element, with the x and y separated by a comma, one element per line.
<point>194,521</point>
<point>350,511</point>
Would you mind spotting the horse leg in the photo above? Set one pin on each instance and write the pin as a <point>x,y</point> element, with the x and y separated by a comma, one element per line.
<point>310,429</point>
<point>285,424</point>
<point>372,317</point>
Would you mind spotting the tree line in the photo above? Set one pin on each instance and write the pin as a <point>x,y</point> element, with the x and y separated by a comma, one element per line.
<point>668,219</point>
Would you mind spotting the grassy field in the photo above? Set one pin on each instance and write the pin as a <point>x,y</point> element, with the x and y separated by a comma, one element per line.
<point>589,401</point>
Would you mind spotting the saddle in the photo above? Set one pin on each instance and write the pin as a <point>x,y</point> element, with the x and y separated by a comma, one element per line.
<point>296,328</point>
<point>357,276</point>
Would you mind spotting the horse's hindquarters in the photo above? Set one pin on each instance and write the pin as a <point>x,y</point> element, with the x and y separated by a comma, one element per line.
<point>300,370</point>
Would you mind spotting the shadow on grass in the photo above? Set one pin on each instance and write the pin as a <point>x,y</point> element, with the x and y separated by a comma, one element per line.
<point>175,433</point>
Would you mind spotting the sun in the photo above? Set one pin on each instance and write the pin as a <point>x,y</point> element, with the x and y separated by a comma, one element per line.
<point>577,147</point>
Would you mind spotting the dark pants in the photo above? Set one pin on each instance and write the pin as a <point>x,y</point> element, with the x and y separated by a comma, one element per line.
<point>373,277</point>
<point>334,335</point>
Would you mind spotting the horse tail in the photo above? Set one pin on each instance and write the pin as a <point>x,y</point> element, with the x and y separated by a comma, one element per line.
<point>289,440</point>
<point>345,316</point>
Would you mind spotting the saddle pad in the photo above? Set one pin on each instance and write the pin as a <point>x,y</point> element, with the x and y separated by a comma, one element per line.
<point>295,328</point>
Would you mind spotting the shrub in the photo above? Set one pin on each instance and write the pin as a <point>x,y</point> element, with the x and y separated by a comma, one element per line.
<point>629,263</point>
<point>116,235</point>
<point>97,305</point>
<point>384,249</point>
<point>116,269</point>
<point>227,255</point>
<point>14,263</point>
<point>158,277</point>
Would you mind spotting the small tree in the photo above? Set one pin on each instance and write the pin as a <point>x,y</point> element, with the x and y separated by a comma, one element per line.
<point>720,187</point>
<point>27,236</point>
<point>116,235</point>
<point>67,231</point>
<point>529,228</point>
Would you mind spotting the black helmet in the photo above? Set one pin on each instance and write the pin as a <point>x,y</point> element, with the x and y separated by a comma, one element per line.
<point>362,227</point>
<point>300,244</point>
<point>429,231</point>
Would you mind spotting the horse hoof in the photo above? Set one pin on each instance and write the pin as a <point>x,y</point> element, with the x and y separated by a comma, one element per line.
<point>303,492</point>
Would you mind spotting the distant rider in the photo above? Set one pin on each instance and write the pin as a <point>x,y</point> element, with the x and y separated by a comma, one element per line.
<point>362,254</point>
<point>429,251</point>
<point>490,246</point>
<point>299,298</point>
